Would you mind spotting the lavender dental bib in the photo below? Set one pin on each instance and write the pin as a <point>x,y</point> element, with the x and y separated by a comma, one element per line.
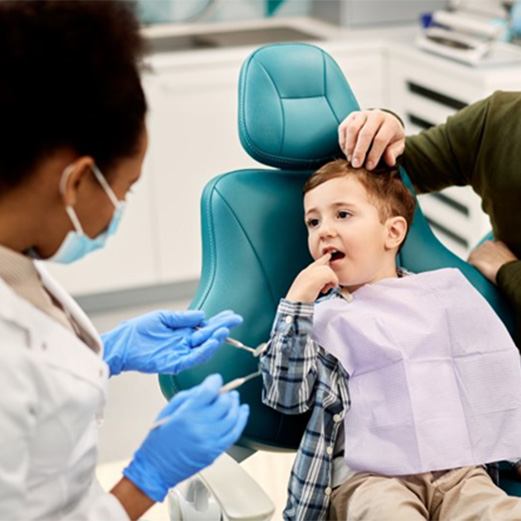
<point>435,379</point>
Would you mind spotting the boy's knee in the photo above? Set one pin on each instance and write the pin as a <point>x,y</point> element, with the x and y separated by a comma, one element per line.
<point>376,498</point>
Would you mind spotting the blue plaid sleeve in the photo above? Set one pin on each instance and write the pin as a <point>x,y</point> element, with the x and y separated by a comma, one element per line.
<point>289,364</point>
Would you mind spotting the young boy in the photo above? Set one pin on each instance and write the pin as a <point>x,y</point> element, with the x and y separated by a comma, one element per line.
<point>415,369</point>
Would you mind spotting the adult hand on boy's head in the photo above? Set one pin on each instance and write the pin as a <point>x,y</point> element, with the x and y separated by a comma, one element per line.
<point>368,135</point>
<point>317,278</point>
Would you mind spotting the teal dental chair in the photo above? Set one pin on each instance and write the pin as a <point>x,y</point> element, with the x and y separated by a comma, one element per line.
<point>291,99</point>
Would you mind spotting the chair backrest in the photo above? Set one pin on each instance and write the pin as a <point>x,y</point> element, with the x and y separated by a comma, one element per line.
<point>291,99</point>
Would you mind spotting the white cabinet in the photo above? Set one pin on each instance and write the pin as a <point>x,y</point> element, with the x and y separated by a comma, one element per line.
<point>424,90</point>
<point>193,136</point>
<point>364,66</point>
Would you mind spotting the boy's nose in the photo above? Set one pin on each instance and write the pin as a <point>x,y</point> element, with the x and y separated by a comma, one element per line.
<point>327,230</point>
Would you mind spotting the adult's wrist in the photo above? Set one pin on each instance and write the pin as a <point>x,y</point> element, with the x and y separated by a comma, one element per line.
<point>508,280</point>
<point>133,500</point>
<point>392,114</point>
<point>144,476</point>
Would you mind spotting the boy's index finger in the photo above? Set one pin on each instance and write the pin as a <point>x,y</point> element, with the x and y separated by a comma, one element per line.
<point>324,260</point>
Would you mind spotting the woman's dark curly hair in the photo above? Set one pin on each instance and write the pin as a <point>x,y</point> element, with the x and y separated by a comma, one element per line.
<point>69,78</point>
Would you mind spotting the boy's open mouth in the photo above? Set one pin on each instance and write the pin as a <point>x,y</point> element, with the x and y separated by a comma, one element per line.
<point>335,254</point>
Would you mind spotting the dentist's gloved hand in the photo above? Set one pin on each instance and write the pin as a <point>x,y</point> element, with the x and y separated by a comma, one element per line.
<point>202,425</point>
<point>166,342</point>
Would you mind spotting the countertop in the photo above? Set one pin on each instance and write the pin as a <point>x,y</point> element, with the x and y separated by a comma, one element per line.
<point>399,38</point>
<point>327,35</point>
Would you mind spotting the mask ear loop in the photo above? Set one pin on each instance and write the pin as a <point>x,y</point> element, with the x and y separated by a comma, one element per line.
<point>68,208</point>
<point>105,185</point>
<point>64,178</point>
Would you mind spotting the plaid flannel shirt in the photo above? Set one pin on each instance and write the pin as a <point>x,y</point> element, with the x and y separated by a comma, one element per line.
<point>299,375</point>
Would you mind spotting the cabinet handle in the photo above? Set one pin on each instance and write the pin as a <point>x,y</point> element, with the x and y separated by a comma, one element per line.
<point>419,122</point>
<point>449,233</point>
<point>449,201</point>
<point>438,97</point>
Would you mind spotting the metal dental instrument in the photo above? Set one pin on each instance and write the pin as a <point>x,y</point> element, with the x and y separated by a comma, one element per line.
<point>232,384</point>
<point>255,351</point>
<point>237,382</point>
<point>160,422</point>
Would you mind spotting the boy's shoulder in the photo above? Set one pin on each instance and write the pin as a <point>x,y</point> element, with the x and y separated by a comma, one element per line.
<point>439,274</point>
<point>439,280</point>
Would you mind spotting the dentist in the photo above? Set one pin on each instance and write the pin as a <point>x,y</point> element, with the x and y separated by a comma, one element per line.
<point>72,143</point>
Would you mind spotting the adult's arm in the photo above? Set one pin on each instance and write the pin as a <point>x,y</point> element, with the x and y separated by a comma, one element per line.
<point>509,282</point>
<point>446,155</point>
<point>19,407</point>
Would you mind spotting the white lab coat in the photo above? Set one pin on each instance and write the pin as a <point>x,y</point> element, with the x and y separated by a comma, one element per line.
<point>52,392</point>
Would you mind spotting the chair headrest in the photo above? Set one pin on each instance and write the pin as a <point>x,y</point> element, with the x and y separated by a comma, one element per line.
<point>284,87</point>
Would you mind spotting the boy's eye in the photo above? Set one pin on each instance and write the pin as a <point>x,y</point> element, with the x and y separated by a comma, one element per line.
<point>343,214</point>
<point>311,223</point>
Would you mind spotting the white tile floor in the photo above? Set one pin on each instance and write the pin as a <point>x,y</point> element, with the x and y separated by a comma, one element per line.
<point>134,401</point>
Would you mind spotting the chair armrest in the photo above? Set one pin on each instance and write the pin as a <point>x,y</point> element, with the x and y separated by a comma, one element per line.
<point>240,497</point>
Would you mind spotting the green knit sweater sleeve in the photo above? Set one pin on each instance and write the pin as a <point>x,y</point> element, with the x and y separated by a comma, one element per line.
<point>509,282</point>
<point>445,155</point>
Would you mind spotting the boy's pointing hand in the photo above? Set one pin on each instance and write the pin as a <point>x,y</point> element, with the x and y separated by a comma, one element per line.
<point>317,278</point>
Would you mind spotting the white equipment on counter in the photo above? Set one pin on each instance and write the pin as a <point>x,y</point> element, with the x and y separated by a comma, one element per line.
<point>468,38</point>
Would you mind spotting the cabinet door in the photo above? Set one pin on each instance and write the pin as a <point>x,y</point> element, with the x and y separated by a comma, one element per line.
<point>129,258</point>
<point>193,135</point>
<point>364,69</point>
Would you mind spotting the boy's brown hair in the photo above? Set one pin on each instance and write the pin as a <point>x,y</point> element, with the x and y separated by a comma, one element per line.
<point>384,186</point>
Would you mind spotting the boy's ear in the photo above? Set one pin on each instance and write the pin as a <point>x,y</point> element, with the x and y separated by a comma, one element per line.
<point>396,229</point>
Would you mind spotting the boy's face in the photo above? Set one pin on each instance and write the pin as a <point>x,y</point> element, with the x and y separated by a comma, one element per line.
<point>341,219</point>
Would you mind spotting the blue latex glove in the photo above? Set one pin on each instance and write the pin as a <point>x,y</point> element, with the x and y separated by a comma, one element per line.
<point>166,342</point>
<point>202,425</point>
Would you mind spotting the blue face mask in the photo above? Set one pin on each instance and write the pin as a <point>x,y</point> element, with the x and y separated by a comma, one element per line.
<point>76,243</point>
